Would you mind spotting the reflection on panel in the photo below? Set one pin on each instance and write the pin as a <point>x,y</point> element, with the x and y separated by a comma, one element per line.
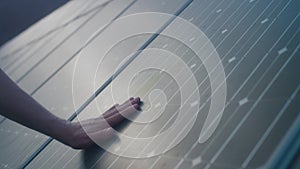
<point>6,61</point>
<point>43,52</point>
<point>30,52</point>
<point>42,28</point>
<point>50,29</point>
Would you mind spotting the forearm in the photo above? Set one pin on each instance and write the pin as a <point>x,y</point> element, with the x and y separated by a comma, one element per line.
<point>18,106</point>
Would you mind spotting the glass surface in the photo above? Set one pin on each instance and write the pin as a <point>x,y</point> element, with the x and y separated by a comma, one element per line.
<point>257,67</point>
<point>258,44</point>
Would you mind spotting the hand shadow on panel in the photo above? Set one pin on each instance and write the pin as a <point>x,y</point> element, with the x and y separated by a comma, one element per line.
<point>90,157</point>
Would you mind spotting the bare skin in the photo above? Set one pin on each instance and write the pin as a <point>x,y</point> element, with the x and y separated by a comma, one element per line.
<point>18,106</point>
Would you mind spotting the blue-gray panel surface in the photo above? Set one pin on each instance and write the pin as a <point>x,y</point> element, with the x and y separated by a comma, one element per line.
<point>257,42</point>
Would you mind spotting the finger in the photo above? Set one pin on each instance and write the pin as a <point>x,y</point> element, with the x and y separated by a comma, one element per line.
<point>132,101</point>
<point>119,117</point>
<point>129,103</point>
<point>136,100</point>
<point>117,107</point>
<point>94,125</point>
<point>110,111</point>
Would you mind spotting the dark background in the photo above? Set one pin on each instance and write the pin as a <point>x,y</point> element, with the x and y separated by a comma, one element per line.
<point>17,15</point>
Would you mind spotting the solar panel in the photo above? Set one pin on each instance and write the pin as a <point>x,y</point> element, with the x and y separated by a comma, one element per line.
<point>255,42</point>
<point>46,26</point>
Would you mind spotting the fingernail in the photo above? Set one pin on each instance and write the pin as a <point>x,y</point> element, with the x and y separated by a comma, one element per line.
<point>137,99</point>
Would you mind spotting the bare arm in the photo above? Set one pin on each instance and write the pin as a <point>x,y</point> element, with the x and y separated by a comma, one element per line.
<point>18,106</point>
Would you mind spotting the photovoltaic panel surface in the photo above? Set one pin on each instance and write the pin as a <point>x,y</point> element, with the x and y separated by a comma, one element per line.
<point>257,42</point>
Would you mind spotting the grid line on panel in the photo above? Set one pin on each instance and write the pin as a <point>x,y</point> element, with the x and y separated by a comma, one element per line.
<point>94,8</point>
<point>74,155</point>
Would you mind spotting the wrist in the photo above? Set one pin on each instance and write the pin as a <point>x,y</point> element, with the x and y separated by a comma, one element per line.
<point>61,130</point>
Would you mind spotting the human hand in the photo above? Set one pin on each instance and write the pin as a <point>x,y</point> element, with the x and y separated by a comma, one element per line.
<point>79,134</point>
